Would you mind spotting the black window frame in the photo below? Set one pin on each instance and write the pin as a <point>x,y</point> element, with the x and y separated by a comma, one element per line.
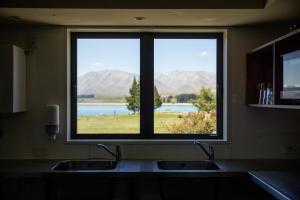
<point>146,84</point>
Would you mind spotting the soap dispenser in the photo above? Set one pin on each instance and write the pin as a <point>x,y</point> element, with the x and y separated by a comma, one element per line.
<point>52,120</point>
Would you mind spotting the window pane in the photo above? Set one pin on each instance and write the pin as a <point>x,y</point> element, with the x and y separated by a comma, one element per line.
<point>185,86</point>
<point>108,93</point>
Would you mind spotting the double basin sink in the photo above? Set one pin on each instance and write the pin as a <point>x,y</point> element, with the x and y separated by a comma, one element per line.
<point>96,165</point>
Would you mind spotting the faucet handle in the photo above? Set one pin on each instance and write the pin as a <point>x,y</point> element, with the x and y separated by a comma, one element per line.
<point>212,152</point>
<point>118,152</point>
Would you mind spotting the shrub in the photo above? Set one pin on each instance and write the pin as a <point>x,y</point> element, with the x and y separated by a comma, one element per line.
<point>201,122</point>
<point>206,100</point>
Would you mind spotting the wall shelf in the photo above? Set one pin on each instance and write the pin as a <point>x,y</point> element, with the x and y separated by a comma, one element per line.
<point>265,65</point>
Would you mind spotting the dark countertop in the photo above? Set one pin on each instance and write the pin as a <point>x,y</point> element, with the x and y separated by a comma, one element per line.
<point>283,185</point>
<point>234,167</point>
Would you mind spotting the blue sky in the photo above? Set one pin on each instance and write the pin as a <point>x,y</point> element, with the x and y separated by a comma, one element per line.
<point>101,54</point>
<point>123,54</point>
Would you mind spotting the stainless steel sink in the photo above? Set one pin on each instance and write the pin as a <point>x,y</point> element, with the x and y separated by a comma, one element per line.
<point>188,165</point>
<point>85,165</point>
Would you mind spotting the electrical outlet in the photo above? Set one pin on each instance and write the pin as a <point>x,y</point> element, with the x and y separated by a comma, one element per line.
<point>291,149</point>
<point>39,152</point>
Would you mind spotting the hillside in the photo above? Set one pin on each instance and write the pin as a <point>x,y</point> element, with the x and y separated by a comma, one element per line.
<point>117,83</point>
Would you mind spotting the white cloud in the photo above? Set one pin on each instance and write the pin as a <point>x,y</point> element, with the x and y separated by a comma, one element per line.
<point>98,64</point>
<point>203,53</point>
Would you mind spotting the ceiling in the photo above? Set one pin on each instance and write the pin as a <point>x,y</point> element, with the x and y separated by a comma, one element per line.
<point>135,4</point>
<point>270,12</point>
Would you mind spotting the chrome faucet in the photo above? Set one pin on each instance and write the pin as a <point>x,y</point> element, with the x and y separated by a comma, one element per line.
<point>116,155</point>
<point>208,150</point>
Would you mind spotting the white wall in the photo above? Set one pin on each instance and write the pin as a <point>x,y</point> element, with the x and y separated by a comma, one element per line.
<point>253,133</point>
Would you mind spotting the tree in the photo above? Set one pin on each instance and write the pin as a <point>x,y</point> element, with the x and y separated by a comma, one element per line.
<point>206,100</point>
<point>157,98</point>
<point>133,101</point>
<point>185,98</point>
<point>169,98</point>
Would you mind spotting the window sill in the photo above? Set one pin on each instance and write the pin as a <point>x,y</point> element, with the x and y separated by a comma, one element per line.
<point>143,141</point>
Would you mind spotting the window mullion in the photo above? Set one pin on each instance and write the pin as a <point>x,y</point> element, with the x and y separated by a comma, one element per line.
<point>220,89</point>
<point>147,85</point>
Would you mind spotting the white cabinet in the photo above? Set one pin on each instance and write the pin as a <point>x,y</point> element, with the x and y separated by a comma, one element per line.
<point>12,79</point>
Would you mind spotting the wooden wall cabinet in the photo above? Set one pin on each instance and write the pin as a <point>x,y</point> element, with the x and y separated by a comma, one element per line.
<point>264,65</point>
<point>12,79</point>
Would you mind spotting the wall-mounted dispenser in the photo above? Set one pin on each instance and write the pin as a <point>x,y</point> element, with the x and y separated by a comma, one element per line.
<point>52,120</point>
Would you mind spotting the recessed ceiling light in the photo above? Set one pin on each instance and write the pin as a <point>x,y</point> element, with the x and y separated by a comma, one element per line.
<point>139,18</point>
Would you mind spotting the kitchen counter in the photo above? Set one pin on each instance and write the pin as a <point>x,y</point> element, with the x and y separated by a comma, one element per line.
<point>278,177</point>
<point>283,185</point>
<point>145,167</point>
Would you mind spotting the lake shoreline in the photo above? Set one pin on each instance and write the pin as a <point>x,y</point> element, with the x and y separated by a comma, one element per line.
<point>96,109</point>
<point>124,104</point>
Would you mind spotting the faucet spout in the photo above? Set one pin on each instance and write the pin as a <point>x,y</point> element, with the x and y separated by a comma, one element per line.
<point>116,155</point>
<point>207,149</point>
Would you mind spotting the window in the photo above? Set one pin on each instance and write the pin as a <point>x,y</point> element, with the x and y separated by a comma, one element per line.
<point>146,85</point>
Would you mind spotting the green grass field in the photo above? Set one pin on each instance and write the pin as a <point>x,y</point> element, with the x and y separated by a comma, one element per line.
<point>122,123</point>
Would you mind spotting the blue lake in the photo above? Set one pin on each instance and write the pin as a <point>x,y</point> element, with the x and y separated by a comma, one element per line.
<point>94,110</point>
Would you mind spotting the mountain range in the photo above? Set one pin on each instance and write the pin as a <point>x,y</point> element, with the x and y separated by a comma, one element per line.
<point>117,83</point>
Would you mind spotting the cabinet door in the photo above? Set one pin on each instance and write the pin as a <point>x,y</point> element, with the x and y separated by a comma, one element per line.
<point>12,79</point>
<point>10,189</point>
<point>240,188</point>
<point>21,189</point>
<point>32,189</point>
<point>79,188</point>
